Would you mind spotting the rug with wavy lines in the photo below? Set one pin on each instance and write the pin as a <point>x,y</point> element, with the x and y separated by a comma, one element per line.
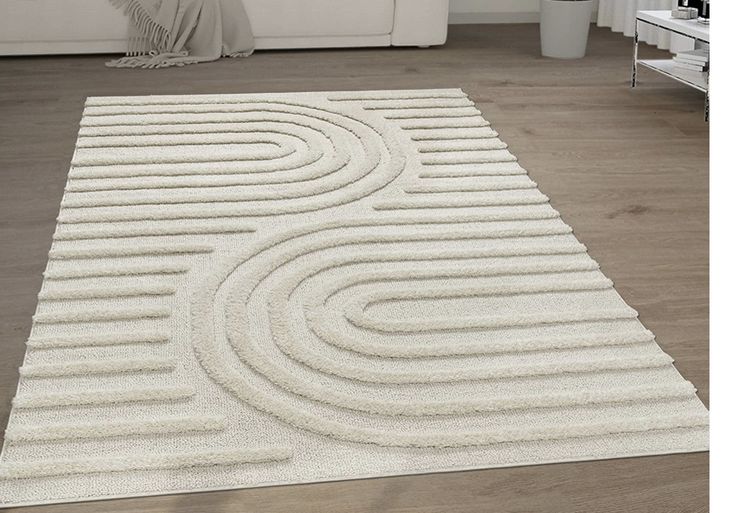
<point>248,290</point>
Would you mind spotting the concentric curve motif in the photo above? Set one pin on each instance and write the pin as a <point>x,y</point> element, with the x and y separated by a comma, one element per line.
<point>281,288</point>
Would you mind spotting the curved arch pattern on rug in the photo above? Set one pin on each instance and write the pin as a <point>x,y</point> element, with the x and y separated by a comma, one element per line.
<point>247,290</point>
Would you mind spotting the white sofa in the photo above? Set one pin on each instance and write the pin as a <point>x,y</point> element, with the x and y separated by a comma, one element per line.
<point>94,26</point>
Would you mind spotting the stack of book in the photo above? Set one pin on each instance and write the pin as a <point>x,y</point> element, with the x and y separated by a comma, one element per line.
<point>692,60</point>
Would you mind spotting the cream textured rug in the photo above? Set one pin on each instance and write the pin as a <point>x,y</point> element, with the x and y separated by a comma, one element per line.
<point>246,290</point>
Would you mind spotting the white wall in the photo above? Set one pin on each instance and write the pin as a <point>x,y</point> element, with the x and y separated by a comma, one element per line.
<point>495,11</point>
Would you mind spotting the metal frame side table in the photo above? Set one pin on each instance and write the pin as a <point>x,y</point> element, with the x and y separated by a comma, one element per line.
<point>689,28</point>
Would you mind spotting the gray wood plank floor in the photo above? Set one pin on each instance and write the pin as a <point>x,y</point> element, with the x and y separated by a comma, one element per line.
<point>627,169</point>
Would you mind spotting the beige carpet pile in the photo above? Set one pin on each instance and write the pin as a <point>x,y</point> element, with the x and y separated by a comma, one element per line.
<point>246,290</point>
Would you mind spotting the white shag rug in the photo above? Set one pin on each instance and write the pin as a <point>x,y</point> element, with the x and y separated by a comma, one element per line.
<point>247,290</point>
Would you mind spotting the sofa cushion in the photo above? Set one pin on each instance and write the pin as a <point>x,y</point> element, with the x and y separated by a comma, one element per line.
<point>299,18</point>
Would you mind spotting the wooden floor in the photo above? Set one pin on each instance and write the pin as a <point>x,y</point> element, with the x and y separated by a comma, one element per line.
<point>628,169</point>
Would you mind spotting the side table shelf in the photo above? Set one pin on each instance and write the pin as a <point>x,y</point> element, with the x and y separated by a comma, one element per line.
<point>689,28</point>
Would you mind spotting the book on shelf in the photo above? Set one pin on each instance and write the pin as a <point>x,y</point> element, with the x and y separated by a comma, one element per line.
<point>684,60</point>
<point>690,67</point>
<point>699,55</point>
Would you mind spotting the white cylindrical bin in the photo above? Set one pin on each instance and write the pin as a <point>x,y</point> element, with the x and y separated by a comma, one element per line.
<point>565,25</point>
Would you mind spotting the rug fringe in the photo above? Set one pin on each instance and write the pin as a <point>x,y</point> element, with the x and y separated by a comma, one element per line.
<point>150,34</point>
<point>153,60</point>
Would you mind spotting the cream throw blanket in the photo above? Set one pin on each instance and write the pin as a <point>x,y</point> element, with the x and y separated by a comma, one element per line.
<point>167,33</point>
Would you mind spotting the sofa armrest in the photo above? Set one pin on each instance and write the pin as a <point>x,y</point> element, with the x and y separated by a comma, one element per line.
<point>420,22</point>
